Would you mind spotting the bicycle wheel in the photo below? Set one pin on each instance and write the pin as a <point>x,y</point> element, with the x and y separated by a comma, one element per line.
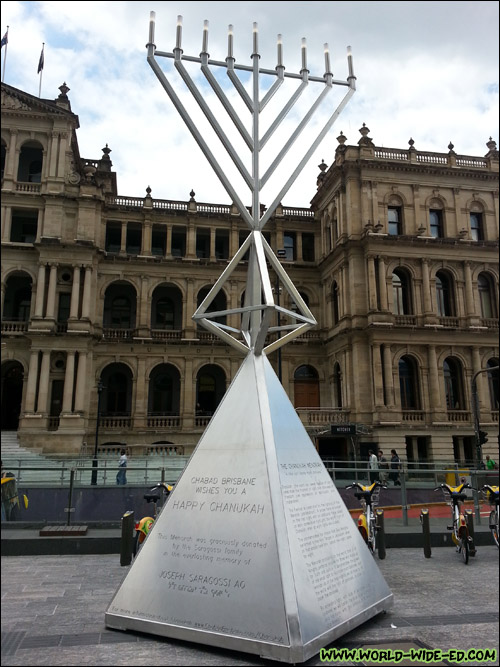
<point>464,548</point>
<point>494,526</point>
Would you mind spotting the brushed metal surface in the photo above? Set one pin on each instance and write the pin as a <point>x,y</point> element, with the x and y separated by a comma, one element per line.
<point>255,549</point>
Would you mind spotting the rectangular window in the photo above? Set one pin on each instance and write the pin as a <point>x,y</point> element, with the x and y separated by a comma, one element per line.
<point>394,220</point>
<point>203,243</point>
<point>308,247</point>
<point>222,244</point>
<point>178,242</point>
<point>289,246</point>
<point>24,226</point>
<point>134,239</point>
<point>113,237</point>
<point>158,240</point>
<point>436,223</point>
<point>64,307</point>
<point>476,226</point>
<point>241,239</point>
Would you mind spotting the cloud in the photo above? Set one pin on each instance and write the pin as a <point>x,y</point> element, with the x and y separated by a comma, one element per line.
<point>423,71</point>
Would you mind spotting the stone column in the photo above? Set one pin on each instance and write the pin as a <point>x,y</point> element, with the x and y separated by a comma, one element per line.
<point>382,283</point>
<point>189,400</point>
<point>299,247</point>
<point>81,382</point>
<point>426,287</point>
<point>87,288</point>
<point>43,392</point>
<point>389,383</point>
<point>51,298</point>
<point>372,286</point>
<point>32,382</point>
<point>75,294</point>
<point>469,295</point>
<point>378,385</point>
<point>480,379</point>
<point>146,239</point>
<point>53,155</point>
<point>40,291</point>
<point>212,244</point>
<point>141,395</point>
<point>435,393</point>
<point>68,383</point>
<point>7,224</point>
<point>123,240</point>
<point>188,308</point>
<point>191,241</point>
<point>168,248</point>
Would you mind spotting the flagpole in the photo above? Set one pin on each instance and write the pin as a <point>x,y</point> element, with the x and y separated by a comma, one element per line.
<point>40,69</point>
<point>6,36</point>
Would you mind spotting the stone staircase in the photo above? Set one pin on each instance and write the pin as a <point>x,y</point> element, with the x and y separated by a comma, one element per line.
<point>35,469</point>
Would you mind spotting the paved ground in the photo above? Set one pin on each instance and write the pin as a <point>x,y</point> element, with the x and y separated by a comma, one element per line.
<point>53,612</point>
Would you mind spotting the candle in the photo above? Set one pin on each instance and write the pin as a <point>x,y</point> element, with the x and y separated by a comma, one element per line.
<point>205,37</point>
<point>178,33</point>
<point>327,59</point>
<point>349,61</point>
<point>255,44</point>
<point>280,51</point>
<point>230,42</point>
<point>152,16</point>
<point>304,53</point>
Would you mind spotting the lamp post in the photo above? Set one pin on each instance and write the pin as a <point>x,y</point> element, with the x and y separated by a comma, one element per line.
<point>94,462</point>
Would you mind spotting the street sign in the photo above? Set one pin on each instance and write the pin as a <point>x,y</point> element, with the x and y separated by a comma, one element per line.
<point>343,429</point>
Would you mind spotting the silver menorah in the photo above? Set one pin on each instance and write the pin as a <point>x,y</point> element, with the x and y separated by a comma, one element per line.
<point>259,306</point>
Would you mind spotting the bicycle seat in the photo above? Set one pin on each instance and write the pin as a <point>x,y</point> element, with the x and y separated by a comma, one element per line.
<point>152,497</point>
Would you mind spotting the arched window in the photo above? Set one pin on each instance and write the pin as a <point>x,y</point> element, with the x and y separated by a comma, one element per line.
<point>408,384</point>
<point>17,303</point>
<point>486,292</point>
<point>335,302</point>
<point>166,308</point>
<point>210,388</point>
<point>493,383</point>
<point>453,384</point>
<point>401,293</point>
<point>444,295</point>
<point>306,387</point>
<point>337,386</point>
<point>30,163</point>
<point>219,303</point>
<point>120,306</point>
<point>164,391</point>
<point>116,399</point>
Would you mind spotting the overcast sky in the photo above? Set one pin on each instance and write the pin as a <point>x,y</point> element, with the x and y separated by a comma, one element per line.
<point>425,70</point>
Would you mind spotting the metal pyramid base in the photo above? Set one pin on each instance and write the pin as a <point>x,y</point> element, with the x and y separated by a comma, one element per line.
<point>255,550</point>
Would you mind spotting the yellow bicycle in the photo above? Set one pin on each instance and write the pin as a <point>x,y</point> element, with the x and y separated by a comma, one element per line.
<point>370,528</point>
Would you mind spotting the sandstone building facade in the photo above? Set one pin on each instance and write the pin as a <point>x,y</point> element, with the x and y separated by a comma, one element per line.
<point>397,258</point>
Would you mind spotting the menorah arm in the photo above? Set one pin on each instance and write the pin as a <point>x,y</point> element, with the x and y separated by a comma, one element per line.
<point>294,136</point>
<point>201,142</point>
<point>213,122</point>
<point>241,89</point>
<point>267,215</point>
<point>227,105</point>
<point>274,125</point>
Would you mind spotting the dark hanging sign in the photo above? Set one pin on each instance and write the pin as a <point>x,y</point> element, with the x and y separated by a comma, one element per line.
<point>343,429</point>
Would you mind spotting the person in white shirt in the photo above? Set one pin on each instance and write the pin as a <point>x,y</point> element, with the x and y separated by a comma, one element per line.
<point>121,476</point>
<point>373,463</point>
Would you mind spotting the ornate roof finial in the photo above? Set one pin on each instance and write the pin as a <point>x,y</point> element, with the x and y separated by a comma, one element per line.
<point>411,142</point>
<point>192,194</point>
<point>148,191</point>
<point>451,147</point>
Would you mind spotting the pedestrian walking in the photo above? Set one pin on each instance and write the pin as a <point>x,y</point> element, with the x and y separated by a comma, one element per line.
<point>121,476</point>
<point>373,464</point>
<point>395,468</point>
<point>383,465</point>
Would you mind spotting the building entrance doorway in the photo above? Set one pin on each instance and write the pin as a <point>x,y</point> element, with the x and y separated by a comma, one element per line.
<point>12,393</point>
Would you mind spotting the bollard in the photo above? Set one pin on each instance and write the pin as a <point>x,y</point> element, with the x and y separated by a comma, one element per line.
<point>69,508</point>
<point>426,532</point>
<point>380,534</point>
<point>469,520</point>
<point>127,538</point>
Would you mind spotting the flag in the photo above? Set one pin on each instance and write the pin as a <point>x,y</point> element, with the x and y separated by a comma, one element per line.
<point>40,63</point>
<point>5,39</point>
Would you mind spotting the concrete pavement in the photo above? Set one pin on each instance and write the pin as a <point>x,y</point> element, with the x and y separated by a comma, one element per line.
<point>53,612</point>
